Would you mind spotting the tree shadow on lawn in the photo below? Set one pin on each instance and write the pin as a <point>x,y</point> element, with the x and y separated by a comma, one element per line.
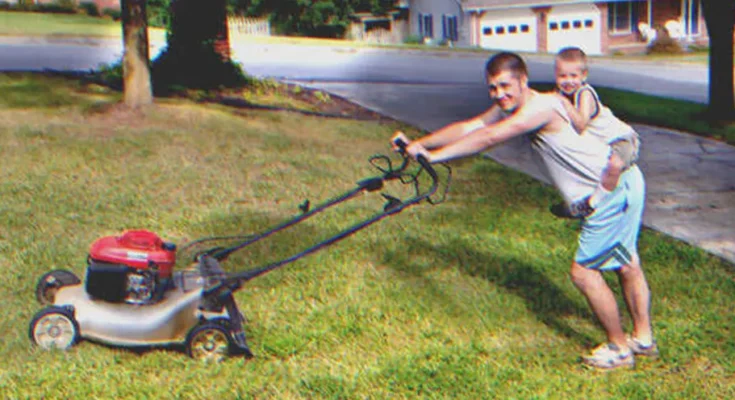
<point>544,298</point>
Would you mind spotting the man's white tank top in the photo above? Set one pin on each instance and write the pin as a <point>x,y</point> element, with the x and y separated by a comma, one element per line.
<point>574,162</point>
<point>604,124</point>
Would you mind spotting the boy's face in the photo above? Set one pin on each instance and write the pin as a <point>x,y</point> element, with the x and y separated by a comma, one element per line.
<point>506,89</point>
<point>570,75</point>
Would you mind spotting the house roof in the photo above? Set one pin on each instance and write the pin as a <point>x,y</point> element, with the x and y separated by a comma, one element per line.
<point>477,5</point>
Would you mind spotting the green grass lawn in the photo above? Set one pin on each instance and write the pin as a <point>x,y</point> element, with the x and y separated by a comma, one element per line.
<point>64,25</point>
<point>468,299</point>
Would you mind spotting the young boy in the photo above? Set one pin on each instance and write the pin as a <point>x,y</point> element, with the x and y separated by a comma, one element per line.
<point>590,117</point>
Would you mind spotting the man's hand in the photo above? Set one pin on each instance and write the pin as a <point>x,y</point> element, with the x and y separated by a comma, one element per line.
<point>416,149</point>
<point>413,149</point>
<point>399,136</point>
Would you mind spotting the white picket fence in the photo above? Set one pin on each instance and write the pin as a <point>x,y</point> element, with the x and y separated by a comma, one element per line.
<point>248,26</point>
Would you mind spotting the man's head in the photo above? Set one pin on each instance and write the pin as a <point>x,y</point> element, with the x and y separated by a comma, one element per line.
<point>507,80</point>
<point>570,66</point>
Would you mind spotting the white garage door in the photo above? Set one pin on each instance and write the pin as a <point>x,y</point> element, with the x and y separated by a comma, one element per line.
<point>574,25</point>
<point>509,30</point>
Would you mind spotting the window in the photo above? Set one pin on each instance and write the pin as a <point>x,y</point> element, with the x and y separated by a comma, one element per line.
<point>554,26</point>
<point>588,23</point>
<point>512,29</point>
<point>577,24</point>
<point>427,23</point>
<point>620,17</point>
<point>487,31</point>
<point>524,28</point>
<point>565,25</point>
<point>499,30</point>
<point>449,28</point>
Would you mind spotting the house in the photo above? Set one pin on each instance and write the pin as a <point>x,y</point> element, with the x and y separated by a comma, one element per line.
<point>598,27</point>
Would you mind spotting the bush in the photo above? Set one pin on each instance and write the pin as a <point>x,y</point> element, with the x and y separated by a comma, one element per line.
<point>194,68</point>
<point>414,39</point>
<point>58,7</point>
<point>664,44</point>
<point>116,15</point>
<point>4,5</point>
<point>90,9</point>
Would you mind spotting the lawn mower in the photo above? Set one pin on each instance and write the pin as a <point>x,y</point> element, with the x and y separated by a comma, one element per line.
<point>133,297</point>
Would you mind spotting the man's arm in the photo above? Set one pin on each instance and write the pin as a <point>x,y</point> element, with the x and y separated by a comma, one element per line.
<point>458,130</point>
<point>535,115</point>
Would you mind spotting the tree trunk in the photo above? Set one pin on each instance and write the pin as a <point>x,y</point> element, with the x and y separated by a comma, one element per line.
<point>137,90</point>
<point>199,22</point>
<point>720,19</point>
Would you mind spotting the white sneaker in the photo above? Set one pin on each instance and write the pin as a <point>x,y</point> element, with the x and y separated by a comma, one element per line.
<point>640,349</point>
<point>609,356</point>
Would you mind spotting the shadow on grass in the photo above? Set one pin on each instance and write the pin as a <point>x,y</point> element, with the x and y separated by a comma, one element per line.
<point>544,298</point>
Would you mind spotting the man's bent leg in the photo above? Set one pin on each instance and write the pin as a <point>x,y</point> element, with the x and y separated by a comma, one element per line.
<point>602,301</point>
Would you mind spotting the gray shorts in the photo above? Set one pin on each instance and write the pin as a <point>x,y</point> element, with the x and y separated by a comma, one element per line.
<point>627,150</point>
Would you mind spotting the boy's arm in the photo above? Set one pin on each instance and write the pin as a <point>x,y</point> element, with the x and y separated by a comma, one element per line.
<point>533,116</point>
<point>585,109</point>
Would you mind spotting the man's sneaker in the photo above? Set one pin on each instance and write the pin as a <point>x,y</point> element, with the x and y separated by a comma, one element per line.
<point>640,349</point>
<point>579,209</point>
<point>609,356</point>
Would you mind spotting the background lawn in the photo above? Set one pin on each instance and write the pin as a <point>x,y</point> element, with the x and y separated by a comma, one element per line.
<point>469,299</point>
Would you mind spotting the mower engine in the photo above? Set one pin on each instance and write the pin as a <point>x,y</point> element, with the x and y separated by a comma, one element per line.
<point>135,267</point>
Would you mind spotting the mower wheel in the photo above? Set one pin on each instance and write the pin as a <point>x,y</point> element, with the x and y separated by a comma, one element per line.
<point>51,282</point>
<point>54,328</point>
<point>209,341</point>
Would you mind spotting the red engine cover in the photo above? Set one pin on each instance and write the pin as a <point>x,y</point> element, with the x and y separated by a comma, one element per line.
<point>136,249</point>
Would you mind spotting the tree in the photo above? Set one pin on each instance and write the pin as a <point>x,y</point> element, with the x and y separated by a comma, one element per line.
<point>198,52</point>
<point>720,19</point>
<point>317,18</point>
<point>137,90</point>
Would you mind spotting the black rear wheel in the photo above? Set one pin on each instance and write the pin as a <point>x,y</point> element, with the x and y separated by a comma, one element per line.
<point>54,328</point>
<point>51,282</point>
<point>209,341</point>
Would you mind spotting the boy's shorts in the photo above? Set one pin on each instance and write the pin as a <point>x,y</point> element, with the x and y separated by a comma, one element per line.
<point>627,149</point>
<point>609,237</point>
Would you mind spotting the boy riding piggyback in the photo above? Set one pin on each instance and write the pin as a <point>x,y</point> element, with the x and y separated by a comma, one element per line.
<point>590,117</point>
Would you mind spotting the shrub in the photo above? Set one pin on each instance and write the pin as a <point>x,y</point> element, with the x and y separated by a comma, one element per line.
<point>413,39</point>
<point>58,7</point>
<point>4,5</point>
<point>90,9</point>
<point>116,15</point>
<point>194,68</point>
<point>664,44</point>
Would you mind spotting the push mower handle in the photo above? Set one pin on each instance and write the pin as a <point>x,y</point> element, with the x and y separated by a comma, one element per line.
<point>400,142</point>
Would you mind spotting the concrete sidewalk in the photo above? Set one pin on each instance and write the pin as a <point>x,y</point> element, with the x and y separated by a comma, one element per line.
<point>690,180</point>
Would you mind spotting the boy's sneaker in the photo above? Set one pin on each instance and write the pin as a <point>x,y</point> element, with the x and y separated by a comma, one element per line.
<point>640,349</point>
<point>579,209</point>
<point>609,356</point>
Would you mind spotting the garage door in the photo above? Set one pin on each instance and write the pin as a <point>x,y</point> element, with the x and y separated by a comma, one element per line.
<point>509,30</point>
<point>574,25</point>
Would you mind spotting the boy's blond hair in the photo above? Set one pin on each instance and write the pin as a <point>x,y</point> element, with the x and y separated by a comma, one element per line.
<point>571,54</point>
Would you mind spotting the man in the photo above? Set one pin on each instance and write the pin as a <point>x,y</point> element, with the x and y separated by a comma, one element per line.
<point>575,163</point>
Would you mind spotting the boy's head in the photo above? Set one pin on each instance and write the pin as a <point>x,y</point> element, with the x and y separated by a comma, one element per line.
<point>507,80</point>
<point>570,66</point>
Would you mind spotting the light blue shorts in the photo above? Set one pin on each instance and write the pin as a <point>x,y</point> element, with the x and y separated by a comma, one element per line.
<point>609,237</point>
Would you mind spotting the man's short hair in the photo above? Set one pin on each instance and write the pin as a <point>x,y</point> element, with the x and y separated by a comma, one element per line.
<point>571,54</point>
<point>506,61</point>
